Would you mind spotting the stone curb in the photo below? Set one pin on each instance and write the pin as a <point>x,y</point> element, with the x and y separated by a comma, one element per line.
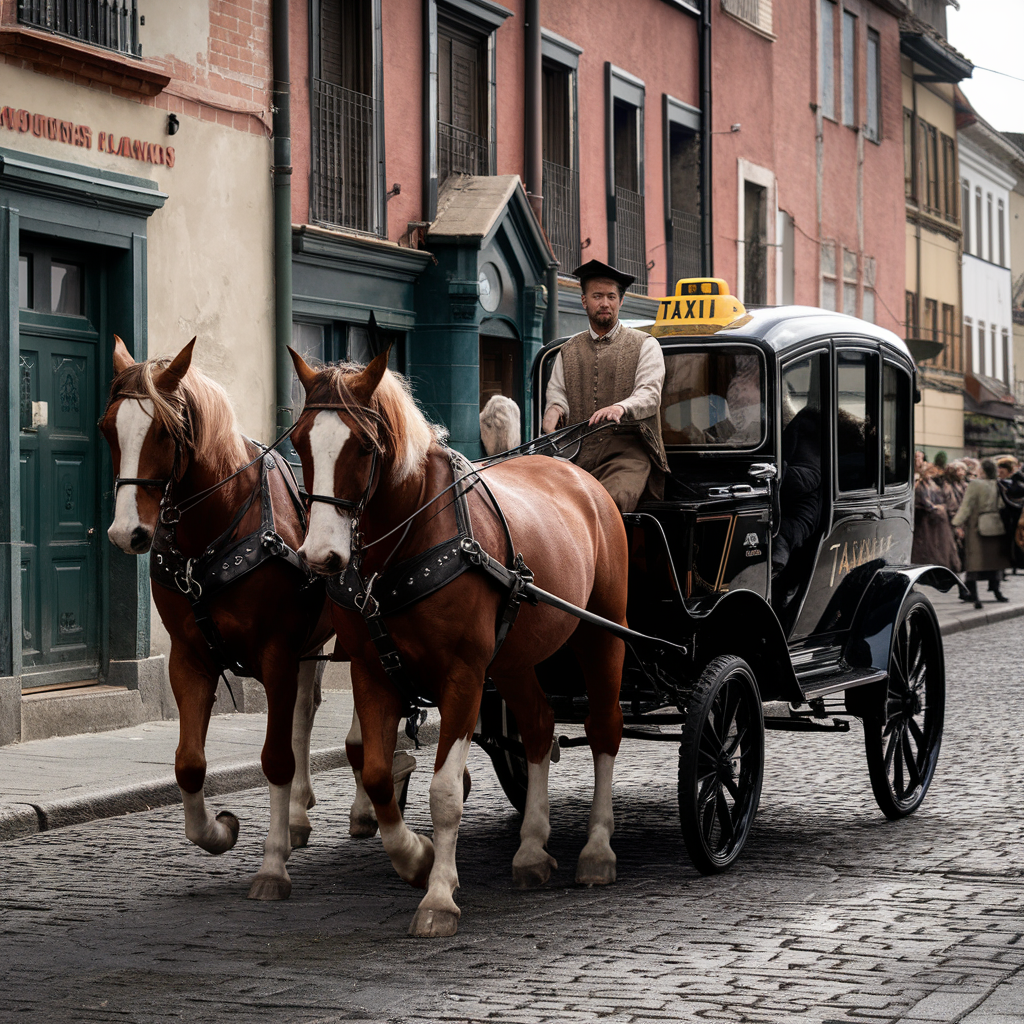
<point>986,617</point>
<point>18,819</point>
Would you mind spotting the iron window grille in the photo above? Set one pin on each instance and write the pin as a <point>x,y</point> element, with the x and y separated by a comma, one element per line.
<point>630,240</point>
<point>110,24</point>
<point>460,151</point>
<point>561,212</point>
<point>344,168</point>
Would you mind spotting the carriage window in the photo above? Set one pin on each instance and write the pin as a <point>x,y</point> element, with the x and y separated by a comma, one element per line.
<point>897,406</point>
<point>856,421</point>
<point>713,399</point>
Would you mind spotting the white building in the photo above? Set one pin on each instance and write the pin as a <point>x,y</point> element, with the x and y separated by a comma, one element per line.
<point>990,166</point>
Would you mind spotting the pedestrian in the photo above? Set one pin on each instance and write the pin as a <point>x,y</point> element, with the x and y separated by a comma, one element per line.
<point>981,527</point>
<point>611,374</point>
<point>1011,484</point>
<point>934,543</point>
<point>954,484</point>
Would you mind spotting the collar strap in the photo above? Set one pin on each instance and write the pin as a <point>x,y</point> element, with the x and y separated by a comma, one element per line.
<point>138,481</point>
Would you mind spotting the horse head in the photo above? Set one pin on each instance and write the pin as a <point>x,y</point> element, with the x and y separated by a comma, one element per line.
<point>140,426</point>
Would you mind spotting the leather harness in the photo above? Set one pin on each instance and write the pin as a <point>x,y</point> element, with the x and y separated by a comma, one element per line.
<point>399,587</point>
<point>227,559</point>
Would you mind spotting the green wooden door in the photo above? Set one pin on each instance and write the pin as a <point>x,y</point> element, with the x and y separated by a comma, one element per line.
<point>60,528</point>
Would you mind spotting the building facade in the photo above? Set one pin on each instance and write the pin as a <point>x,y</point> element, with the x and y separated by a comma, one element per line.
<point>454,160</point>
<point>806,146</point>
<point>932,319</point>
<point>135,198</point>
<point>989,166</point>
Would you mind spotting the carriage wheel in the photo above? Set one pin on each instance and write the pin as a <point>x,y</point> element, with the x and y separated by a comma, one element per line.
<point>497,721</point>
<point>903,730</point>
<point>721,761</point>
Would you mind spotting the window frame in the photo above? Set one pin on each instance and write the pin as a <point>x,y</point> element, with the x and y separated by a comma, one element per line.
<point>906,483</point>
<point>842,346</point>
<point>849,48</point>
<point>623,87</point>
<point>873,132</point>
<point>827,59</point>
<point>676,113</point>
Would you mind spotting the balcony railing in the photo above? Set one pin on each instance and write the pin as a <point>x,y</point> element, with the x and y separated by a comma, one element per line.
<point>344,178</point>
<point>111,24</point>
<point>686,255</point>
<point>562,213</point>
<point>630,238</point>
<point>459,152</point>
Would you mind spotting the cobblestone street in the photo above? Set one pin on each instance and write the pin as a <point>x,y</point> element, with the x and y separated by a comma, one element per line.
<point>831,914</point>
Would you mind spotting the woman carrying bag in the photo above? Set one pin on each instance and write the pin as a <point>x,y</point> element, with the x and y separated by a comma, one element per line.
<point>980,523</point>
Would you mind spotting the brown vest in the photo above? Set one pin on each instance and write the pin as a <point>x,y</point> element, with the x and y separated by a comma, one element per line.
<point>602,374</point>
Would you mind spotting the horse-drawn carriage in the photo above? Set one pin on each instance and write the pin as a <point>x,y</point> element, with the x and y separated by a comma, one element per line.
<point>771,418</point>
<point>769,588</point>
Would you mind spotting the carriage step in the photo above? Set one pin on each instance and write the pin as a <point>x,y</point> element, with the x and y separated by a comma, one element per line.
<point>807,724</point>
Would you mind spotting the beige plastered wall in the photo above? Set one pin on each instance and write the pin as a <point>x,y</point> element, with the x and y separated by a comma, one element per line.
<point>1017,271</point>
<point>210,248</point>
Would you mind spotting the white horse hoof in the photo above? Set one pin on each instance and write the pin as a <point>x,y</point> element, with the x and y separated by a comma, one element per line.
<point>433,924</point>
<point>533,874</point>
<point>593,870</point>
<point>270,887</point>
<point>230,822</point>
<point>299,835</point>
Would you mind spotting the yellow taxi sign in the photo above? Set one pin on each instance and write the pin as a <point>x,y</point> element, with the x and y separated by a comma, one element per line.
<point>700,305</point>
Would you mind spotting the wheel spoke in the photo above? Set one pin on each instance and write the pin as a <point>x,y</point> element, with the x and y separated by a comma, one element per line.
<point>917,731</point>
<point>738,739</point>
<point>725,819</point>
<point>914,776</point>
<point>731,703</point>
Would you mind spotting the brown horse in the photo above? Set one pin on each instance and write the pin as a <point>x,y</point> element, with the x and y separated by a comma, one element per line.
<point>360,434</point>
<point>172,436</point>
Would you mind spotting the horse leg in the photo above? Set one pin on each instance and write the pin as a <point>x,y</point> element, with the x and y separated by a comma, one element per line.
<point>438,914</point>
<point>532,864</point>
<point>280,679</point>
<point>362,822</point>
<point>378,716</point>
<point>600,656</point>
<point>307,700</point>
<point>193,693</point>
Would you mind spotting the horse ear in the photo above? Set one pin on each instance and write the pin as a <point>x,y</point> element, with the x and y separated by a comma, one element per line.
<point>364,383</point>
<point>122,357</point>
<point>169,378</point>
<point>303,370</point>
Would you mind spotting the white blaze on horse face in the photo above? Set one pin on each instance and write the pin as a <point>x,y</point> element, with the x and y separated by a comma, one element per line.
<point>133,420</point>
<point>330,528</point>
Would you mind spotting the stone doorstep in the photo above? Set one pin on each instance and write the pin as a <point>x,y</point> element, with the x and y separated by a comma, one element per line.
<point>70,712</point>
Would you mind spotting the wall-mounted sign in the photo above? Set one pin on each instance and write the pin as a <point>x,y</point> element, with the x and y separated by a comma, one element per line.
<point>56,130</point>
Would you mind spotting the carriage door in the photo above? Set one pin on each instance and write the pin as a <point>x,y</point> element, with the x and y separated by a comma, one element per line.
<point>60,528</point>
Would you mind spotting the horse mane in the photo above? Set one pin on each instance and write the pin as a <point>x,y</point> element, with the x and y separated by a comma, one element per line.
<point>392,422</point>
<point>197,414</point>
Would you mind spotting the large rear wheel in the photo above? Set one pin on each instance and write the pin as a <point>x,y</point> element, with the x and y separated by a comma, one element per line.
<point>721,763</point>
<point>503,744</point>
<point>903,727</point>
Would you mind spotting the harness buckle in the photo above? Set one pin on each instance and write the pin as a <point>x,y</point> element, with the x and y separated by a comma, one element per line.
<point>366,602</point>
<point>472,550</point>
<point>186,584</point>
<point>166,514</point>
<point>272,541</point>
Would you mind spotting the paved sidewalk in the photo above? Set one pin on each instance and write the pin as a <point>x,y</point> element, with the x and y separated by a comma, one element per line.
<point>46,784</point>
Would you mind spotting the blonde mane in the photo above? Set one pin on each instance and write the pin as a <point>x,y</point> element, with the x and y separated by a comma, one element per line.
<point>406,435</point>
<point>197,414</point>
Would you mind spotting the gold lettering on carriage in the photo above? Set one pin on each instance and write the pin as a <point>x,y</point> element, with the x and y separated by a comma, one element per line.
<point>852,553</point>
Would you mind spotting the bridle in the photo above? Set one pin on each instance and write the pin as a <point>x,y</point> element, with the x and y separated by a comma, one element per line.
<point>355,506</point>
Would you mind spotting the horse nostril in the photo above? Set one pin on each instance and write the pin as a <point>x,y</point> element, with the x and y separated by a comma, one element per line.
<point>140,538</point>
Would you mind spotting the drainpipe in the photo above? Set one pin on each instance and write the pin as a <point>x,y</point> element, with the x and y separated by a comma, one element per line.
<point>534,149</point>
<point>282,216</point>
<point>705,131</point>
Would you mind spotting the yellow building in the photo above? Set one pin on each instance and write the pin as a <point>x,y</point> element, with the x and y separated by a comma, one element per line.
<point>930,68</point>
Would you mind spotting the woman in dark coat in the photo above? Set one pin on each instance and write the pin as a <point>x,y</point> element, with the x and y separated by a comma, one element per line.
<point>933,536</point>
<point>985,558</point>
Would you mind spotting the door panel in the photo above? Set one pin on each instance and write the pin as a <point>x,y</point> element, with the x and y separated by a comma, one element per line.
<point>59,500</point>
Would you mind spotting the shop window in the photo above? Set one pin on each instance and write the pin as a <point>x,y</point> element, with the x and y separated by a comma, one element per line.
<point>50,282</point>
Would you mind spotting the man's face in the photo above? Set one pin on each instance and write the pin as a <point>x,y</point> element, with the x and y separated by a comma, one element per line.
<point>1003,471</point>
<point>918,460</point>
<point>601,300</point>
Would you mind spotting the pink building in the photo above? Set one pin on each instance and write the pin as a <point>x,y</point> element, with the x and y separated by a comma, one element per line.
<point>807,154</point>
<point>433,140</point>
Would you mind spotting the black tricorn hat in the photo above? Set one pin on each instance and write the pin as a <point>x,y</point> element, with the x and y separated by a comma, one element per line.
<point>595,268</point>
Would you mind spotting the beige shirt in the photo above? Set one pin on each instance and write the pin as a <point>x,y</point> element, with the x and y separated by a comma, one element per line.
<point>650,376</point>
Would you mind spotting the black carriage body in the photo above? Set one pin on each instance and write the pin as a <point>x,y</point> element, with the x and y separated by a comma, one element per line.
<point>700,572</point>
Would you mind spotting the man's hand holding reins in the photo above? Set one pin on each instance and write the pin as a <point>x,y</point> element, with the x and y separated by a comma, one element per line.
<point>609,414</point>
